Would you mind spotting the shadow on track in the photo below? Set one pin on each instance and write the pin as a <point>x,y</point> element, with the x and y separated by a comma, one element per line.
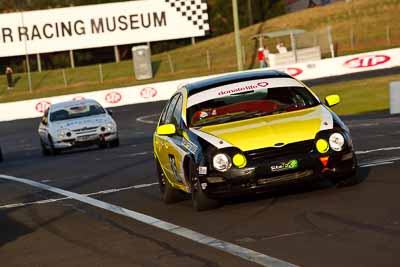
<point>299,188</point>
<point>11,229</point>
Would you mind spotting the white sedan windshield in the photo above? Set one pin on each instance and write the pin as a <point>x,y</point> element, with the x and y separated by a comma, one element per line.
<point>76,112</point>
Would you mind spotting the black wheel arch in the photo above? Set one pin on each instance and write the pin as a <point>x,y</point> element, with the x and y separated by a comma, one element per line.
<point>189,159</point>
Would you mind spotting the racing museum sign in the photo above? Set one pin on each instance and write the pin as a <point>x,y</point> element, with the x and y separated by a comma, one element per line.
<point>62,29</point>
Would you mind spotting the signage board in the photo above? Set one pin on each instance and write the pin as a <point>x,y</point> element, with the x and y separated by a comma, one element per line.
<point>81,27</point>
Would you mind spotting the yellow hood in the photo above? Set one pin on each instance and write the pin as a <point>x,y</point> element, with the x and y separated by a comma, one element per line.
<point>270,130</point>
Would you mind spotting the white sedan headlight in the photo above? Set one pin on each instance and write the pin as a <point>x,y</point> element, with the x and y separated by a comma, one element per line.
<point>336,141</point>
<point>62,133</point>
<point>222,162</point>
<point>110,127</point>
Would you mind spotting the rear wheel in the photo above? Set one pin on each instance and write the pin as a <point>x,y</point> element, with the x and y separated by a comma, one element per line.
<point>200,200</point>
<point>168,194</point>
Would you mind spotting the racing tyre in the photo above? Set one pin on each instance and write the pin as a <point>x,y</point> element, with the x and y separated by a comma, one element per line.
<point>102,145</point>
<point>45,151</point>
<point>168,194</point>
<point>114,143</point>
<point>1,155</point>
<point>351,178</point>
<point>199,199</point>
<point>53,151</point>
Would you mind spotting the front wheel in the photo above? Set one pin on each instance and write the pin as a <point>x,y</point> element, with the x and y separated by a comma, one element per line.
<point>45,151</point>
<point>200,200</point>
<point>53,151</point>
<point>351,178</point>
<point>114,143</point>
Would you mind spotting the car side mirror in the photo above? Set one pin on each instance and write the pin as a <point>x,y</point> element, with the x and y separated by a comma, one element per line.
<point>109,111</point>
<point>166,129</point>
<point>332,100</point>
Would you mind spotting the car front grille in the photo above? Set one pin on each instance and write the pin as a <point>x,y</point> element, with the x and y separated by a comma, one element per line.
<point>277,152</point>
<point>85,130</point>
<point>286,177</point>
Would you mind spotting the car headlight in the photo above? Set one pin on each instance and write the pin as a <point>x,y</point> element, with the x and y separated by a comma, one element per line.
<point>110,127</point>
<point>336,141</point>
<point>222,162</point>
<point>62,133</point>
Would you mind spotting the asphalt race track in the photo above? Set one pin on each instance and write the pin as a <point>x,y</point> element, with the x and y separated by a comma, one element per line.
<point>305,225</point>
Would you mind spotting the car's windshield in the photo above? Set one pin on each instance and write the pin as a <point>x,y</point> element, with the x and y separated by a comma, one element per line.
<point>76,112</point>
<point>250,104</point>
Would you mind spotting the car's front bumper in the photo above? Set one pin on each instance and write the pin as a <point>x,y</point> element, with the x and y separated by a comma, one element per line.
<point>258,177</point>
<point>85,140</point>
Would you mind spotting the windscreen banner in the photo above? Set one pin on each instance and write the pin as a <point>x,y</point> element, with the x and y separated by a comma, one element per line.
<point>63,29</point>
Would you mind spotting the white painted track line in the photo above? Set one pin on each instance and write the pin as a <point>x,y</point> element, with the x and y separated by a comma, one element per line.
<point>145,119</point>
<point>233,249</point>
<point>376,164</point>
<point>379,162</point>
<point>52,200</point>
<point>377,150</point>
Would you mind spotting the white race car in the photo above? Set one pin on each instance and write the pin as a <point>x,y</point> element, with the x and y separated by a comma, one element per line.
<point>75,124</point>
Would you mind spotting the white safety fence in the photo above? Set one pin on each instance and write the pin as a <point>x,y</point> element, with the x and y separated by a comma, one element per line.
<point>345,65</point>
<point>163,91</point>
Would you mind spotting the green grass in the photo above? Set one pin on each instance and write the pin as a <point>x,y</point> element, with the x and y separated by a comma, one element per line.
<point>367,18</point>
<point>359,96</point>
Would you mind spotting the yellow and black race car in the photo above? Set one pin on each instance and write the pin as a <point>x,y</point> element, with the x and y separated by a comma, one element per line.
<point>245,132</point>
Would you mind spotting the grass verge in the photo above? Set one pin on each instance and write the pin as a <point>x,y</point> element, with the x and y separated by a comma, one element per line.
<point>359,96</point>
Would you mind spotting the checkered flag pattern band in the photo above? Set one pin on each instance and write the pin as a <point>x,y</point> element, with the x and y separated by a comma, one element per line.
<point>194,11</point>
